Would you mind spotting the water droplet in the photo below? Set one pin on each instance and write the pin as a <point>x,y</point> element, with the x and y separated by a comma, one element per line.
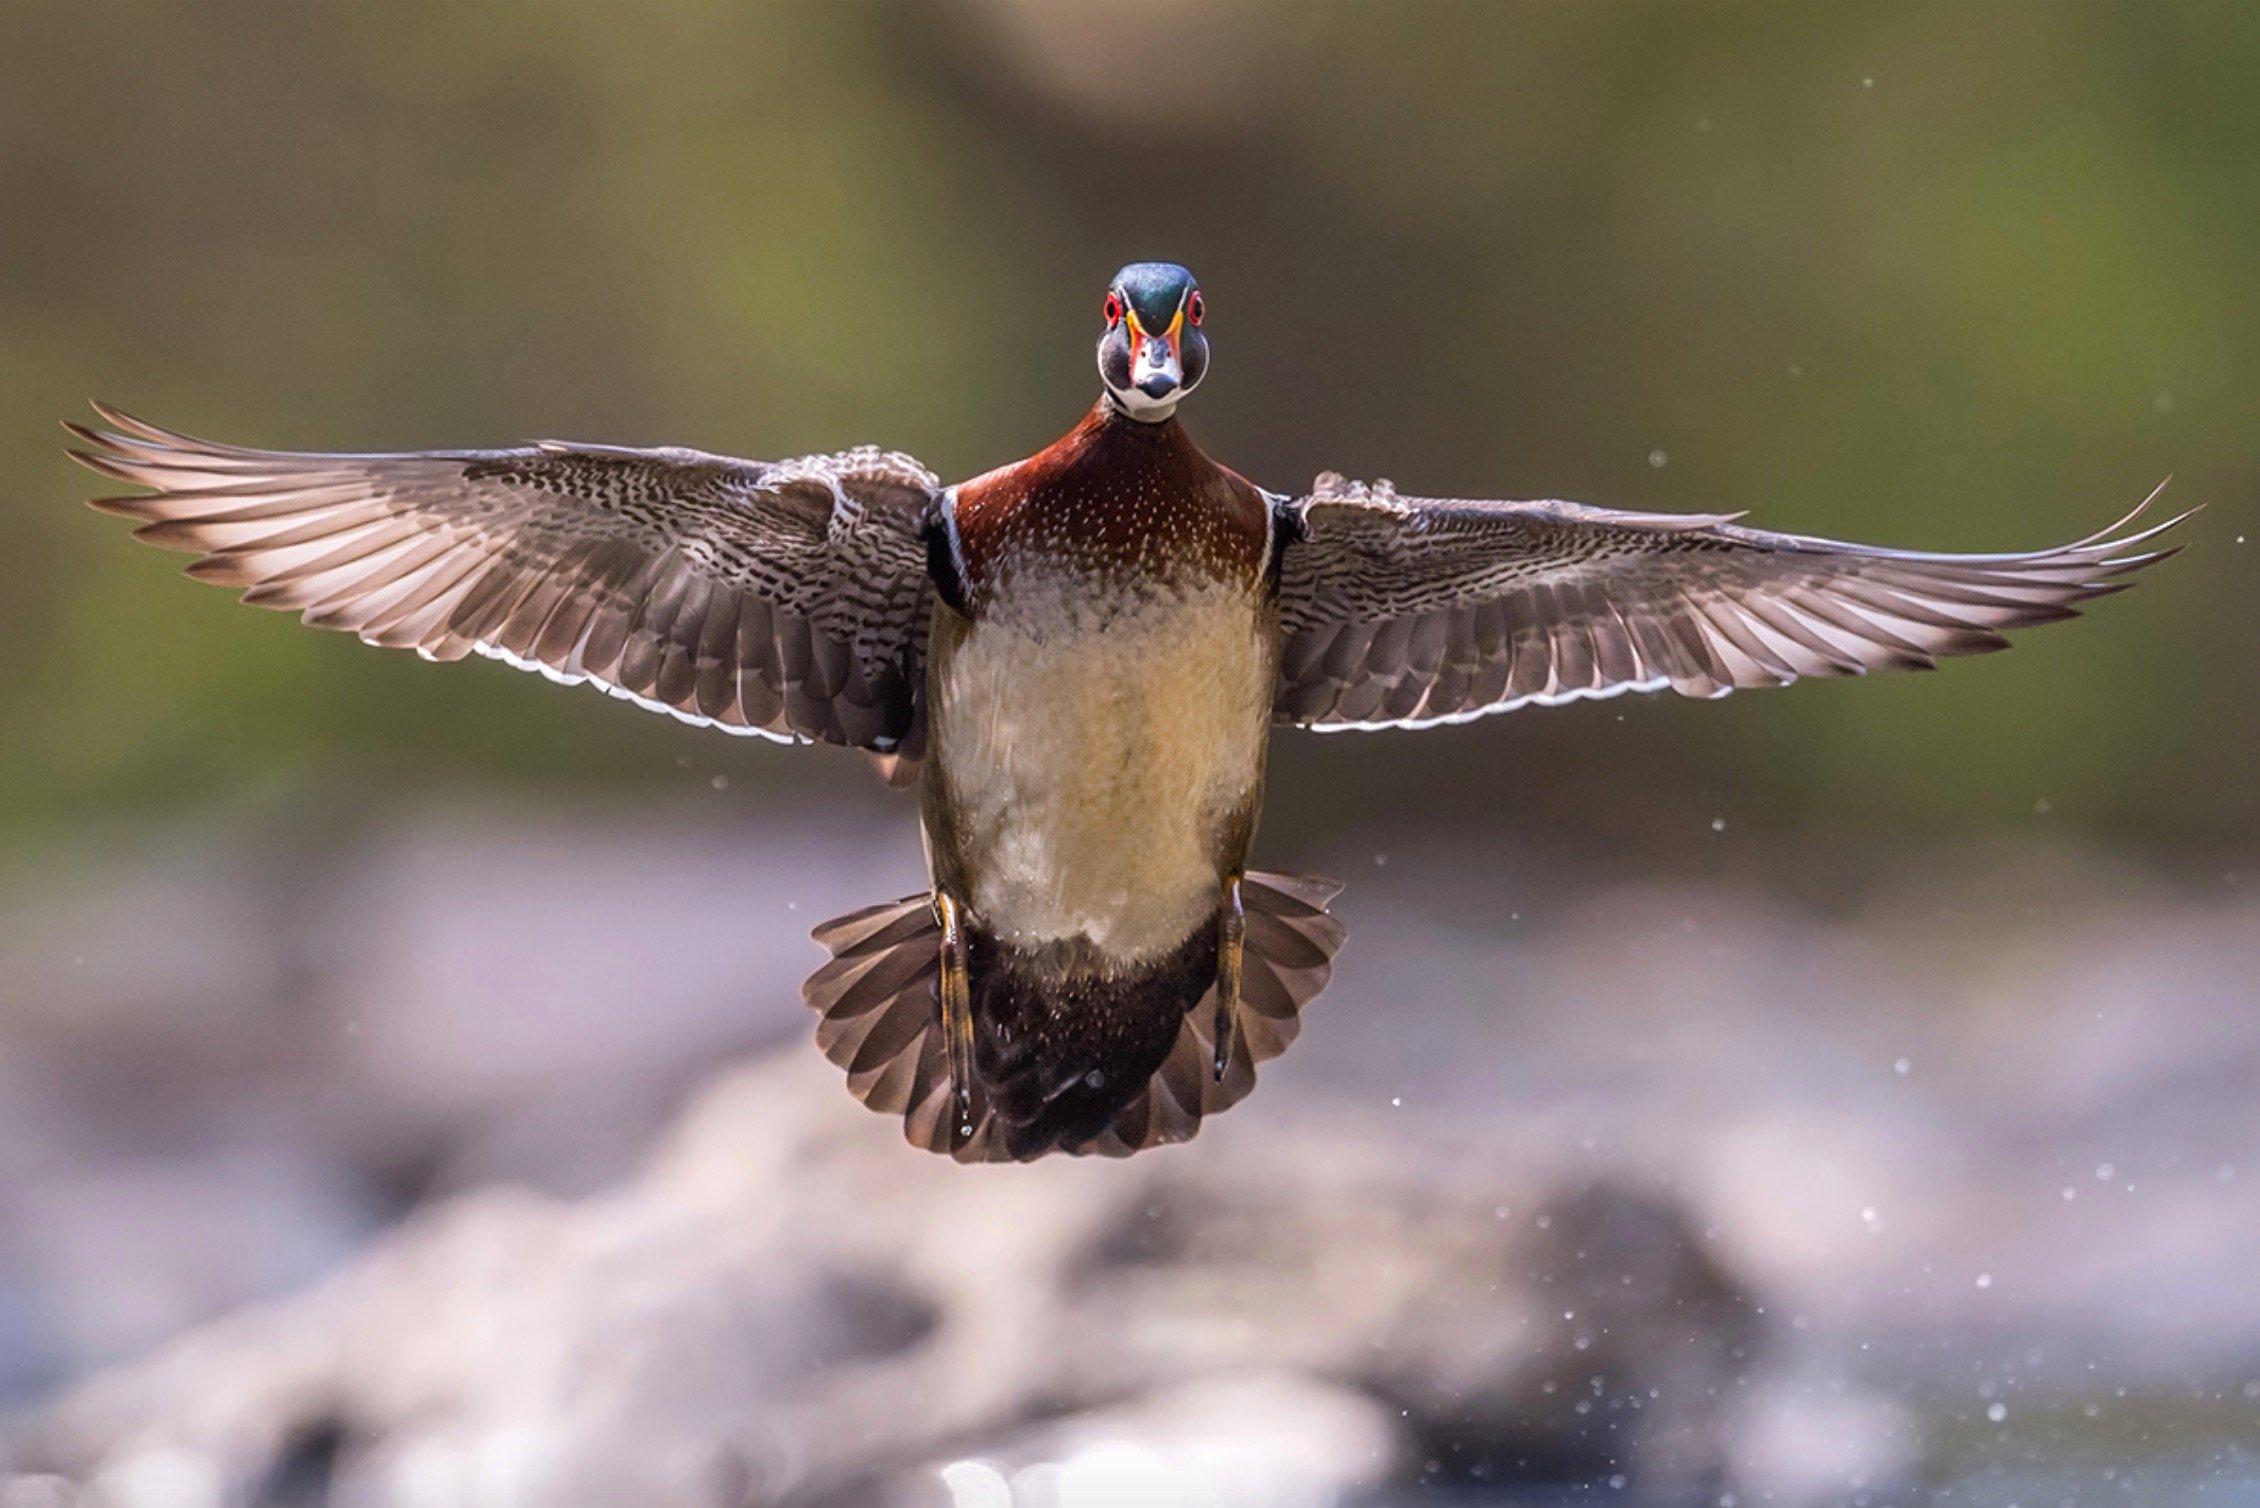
<point>1718,824</point>
<point>1985,1280</point>
<point>1903,1067</point>
<point>1658,459</point>
<point>1997,1412</point>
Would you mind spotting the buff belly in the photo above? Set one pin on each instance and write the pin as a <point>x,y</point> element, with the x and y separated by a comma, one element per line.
<point>1097,759</point>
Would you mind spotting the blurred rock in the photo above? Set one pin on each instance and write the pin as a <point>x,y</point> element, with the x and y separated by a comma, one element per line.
<point>1263,1440</point>
<point>788,1303</point>
<point>317,1025</point>
<point>1804,1438</point>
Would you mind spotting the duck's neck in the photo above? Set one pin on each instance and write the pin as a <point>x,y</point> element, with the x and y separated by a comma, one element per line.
<point>1109,437</point>
<point>1111,403</point>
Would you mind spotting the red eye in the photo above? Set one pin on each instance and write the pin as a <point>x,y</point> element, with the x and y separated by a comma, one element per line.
<point>1193,307</point>
<point>1113,310</point>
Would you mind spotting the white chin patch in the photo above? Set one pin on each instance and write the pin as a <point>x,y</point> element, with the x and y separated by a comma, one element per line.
<point>1138,406</point>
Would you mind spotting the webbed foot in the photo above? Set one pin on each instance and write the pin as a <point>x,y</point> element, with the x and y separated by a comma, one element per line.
<point>1230,950</point>
<point>957,1001</point>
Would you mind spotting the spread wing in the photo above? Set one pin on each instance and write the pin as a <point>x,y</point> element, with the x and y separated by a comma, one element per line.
<point>1403,612</point>
<point>784,598</point>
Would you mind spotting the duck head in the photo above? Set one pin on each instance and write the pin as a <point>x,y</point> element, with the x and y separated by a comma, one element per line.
<point>1153,352</point>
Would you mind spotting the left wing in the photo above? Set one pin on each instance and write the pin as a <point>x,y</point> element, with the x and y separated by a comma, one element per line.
<point>1404,612</point>
<point>784,598</point>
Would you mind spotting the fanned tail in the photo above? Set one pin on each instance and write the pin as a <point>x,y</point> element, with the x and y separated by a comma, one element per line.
<point>878,1004</point>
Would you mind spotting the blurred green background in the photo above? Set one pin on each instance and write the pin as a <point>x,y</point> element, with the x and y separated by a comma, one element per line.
<point>1957,276</point>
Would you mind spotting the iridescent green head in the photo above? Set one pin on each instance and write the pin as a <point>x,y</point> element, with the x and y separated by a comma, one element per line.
<point>1153,352</point>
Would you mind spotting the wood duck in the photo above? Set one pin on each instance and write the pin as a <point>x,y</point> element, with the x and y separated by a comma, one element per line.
<point>1078,658</point>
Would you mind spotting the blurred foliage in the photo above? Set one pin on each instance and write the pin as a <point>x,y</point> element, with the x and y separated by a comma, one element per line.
<point>1958,276</point>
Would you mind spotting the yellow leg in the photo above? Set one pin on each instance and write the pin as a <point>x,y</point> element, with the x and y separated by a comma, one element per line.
<point>1233,944</point>
<point>957,1001</point>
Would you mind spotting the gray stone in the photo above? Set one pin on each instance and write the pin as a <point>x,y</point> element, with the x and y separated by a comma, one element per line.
<point>787,1302</point>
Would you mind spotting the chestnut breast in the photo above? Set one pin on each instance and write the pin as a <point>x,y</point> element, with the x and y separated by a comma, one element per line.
<point>1113,498</point>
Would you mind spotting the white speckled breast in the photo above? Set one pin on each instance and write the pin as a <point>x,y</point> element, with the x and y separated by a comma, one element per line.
<point>1100,745</point>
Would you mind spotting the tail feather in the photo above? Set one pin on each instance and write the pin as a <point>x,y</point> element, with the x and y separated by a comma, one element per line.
<point>878,1005</point>
<point>879,1014</point>
<point>1291,943</point>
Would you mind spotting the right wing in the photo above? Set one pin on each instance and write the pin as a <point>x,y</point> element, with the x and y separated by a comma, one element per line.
<point>784,598</point>
<point>1406,612</point>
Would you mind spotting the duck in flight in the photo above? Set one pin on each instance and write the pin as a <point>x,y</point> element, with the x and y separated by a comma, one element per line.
<point>1078,659</point>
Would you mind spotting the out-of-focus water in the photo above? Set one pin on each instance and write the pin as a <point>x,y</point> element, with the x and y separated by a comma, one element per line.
<point>2172,1483</point>
<point>2225,1478</point>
